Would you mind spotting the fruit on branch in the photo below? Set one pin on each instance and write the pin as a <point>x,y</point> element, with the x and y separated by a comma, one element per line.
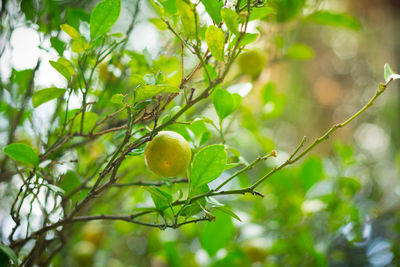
<point>168,154</point>
<point>251,63</point>
<point>93,232</point>
<point>83,253</point>
<point>255,250</point>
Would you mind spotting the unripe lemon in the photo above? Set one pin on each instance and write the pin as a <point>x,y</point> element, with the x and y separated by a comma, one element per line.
<point>83,253</point>
<point>251,63</point>
<point>93,232</point>
<point>168,154</point>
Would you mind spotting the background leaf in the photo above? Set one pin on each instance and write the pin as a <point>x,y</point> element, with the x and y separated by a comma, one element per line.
<point>88,123</point>
<point>45,95</point>
<point>103,17</point>
<point>148,91</point>
<point>329,18</point>
<point>22,152</point>
<point>216,235</point>
<point>71,31</point>
<point>118,99</point>
<point>300,52</point>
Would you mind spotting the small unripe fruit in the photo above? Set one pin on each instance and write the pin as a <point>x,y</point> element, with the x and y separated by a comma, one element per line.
<point>168,154</point>
<point>93,232</point>
<point>251,63</point>
<point>83,253</point>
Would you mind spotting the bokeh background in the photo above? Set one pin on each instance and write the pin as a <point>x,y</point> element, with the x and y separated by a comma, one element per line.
<point>340,206</point>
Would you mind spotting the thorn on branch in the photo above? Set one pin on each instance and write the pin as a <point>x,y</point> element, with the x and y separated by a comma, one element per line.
<point>255,193</point>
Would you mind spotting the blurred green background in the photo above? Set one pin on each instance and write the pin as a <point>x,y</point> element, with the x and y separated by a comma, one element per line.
<point>339,206</point>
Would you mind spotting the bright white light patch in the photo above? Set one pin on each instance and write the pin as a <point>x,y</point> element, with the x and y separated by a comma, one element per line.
<point>25,53</point>
<point>311,206</point>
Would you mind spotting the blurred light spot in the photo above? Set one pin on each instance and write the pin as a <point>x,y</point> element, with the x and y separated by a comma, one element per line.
<point>344,45</point>
<point>379,252</point>
<point>168,235</point>
<point>269,107</point>
<point>397,190</point>
<point>202,257</point>
<point>149,38</point>
<point>311,206</point>
<point>320,189</point>
<point>281,157</point>
<point>327,91</point>
<point>242,89</point>
<point>252,230</point>
<point>372,138</point>
<point>25,53</point>
<point>221,253</point>
<point>347,231</point>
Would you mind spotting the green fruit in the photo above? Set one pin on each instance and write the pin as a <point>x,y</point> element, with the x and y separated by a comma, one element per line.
<point>168,154</point>
<point>83,253</point>
<point>93,232</point>
<point>251,63</point>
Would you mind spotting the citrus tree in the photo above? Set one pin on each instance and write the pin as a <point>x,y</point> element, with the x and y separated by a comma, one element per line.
<point>144,139</point>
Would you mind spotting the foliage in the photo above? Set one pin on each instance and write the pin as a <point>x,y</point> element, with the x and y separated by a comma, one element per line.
<point>87,163</point>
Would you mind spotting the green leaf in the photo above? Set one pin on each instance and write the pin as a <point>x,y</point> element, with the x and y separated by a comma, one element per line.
<point>71,31</point>
<point>248,38</point>
<point>196,206</point>
<point>88,123</point>
<point>188,20</point>
<point>261,12</point>
<point>311,172</point>
<point>58,45</point>
<point>389,74</point>
<point>215,39</point>
<point>118,99</point>
<point>300,52</point>
<point>274,102</point>
<point>159,23</point>
<point>228,211</point>
<point>213,8</point>
<point>161,199</point>
<point>45,95</point>
<point>61,69</point>
<point>55,189</point>
<point>218,234</point>
<point>70,181</point>
<point>22,152</point>
<point>74,16</point>
<point>79,45</point>
<point>329,18</point>
<point>208,164</point>
<point>231,19</point>
<point>225,103</point>
<point>147,91</point>
<point>64,67</point>
<point>169,6</point>
<point>136,151</point>
<point>103,17</point>
<point>67,64</point>
<point>7,254</point>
